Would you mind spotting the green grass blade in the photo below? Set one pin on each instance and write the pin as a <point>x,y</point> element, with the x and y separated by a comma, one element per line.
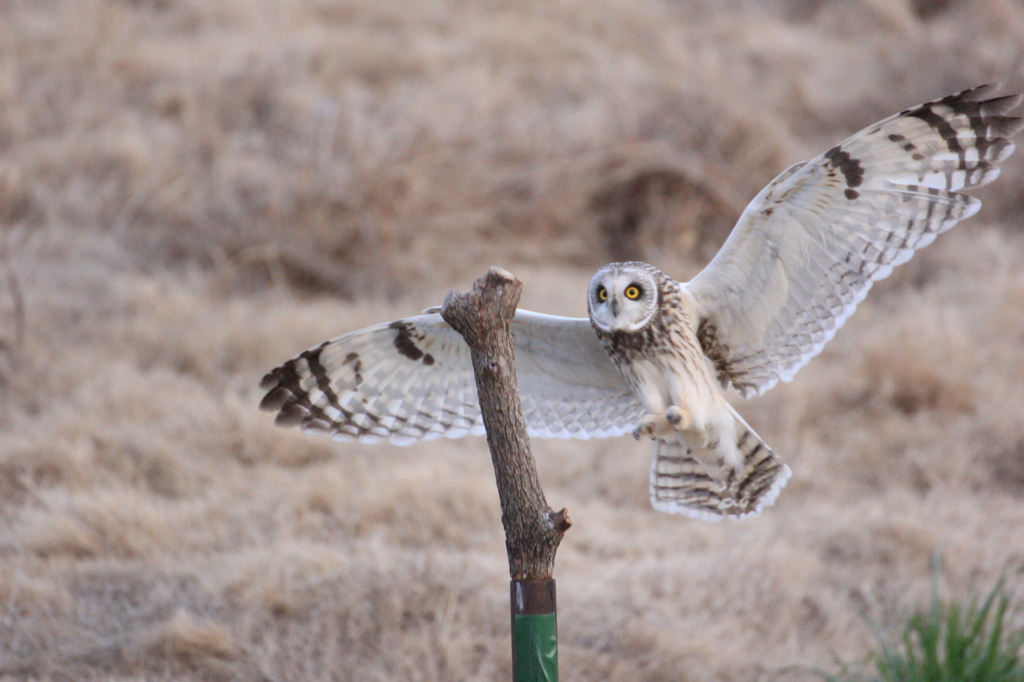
<point>947,642</point>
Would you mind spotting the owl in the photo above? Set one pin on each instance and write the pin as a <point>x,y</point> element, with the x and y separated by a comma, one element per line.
<point>655,355</point>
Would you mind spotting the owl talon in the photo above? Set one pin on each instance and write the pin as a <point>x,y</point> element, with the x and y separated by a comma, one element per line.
<point>651,426</point>
<point>643,430</point>
<point>678,417</point>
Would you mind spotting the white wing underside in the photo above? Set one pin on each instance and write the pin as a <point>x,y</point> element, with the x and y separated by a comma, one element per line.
<point>808,248</point>
<point>413,380</point>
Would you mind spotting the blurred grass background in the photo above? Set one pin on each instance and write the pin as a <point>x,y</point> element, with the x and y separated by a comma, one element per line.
<point>192,192</point>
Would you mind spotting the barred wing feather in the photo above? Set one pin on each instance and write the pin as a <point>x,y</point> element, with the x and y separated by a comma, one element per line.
<point>412,379</point>
<point>808,248</point>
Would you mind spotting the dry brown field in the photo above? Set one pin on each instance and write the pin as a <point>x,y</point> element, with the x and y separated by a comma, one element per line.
<point>192,191</point>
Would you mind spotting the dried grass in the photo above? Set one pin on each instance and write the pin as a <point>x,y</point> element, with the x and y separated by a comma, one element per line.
<point>180,182</point>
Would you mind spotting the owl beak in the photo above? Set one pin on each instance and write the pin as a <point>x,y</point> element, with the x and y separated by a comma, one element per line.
<point>615,307</point>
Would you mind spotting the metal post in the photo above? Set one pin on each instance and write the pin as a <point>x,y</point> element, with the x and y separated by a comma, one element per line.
<point>534,631</point>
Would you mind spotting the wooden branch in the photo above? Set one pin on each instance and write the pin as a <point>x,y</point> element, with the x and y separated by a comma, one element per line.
<point>484,319</point>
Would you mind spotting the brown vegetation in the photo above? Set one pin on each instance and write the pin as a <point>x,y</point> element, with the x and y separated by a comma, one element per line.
<point>191,192</point>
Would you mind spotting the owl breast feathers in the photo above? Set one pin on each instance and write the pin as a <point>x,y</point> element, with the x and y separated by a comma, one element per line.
<point>654,355</point>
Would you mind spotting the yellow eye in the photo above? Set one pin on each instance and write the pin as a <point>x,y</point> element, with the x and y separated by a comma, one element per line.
<point>602,294</point>
<point>632,292</point>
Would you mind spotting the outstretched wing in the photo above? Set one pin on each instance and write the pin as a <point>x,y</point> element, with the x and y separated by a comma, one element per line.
<point>808,248</point>
<point>412,380</point>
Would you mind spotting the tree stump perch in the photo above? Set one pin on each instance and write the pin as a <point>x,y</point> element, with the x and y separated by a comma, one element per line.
<point>532,530</point>
<point>484,319</point>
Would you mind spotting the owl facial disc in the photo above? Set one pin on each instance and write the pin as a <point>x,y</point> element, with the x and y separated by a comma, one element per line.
<point>622,297</point>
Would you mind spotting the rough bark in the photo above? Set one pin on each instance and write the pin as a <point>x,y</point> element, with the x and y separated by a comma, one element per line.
<point>484,319</point>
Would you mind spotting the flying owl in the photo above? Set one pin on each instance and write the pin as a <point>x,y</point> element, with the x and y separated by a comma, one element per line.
<point>654,356</point>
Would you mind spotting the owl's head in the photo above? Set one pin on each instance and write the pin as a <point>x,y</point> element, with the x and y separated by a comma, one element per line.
<point>623,296</point>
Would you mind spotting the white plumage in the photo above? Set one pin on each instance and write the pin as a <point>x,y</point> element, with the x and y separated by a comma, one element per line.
<point>412,379</point>
<point>809,246</point>
<point>804,253</point>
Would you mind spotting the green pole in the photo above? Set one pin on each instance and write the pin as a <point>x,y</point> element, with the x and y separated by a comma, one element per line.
<point>534,631</point>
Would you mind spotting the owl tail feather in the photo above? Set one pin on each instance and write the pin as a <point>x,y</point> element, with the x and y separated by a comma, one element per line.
<point>682,484</point>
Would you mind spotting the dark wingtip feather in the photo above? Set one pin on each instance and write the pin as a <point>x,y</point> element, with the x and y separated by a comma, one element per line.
<point>1001,105</point>
<point>275,399</point>
<point>976,94</point>
<point>1006,125</point>
<point>291,415</point>
<point>272,378</point>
